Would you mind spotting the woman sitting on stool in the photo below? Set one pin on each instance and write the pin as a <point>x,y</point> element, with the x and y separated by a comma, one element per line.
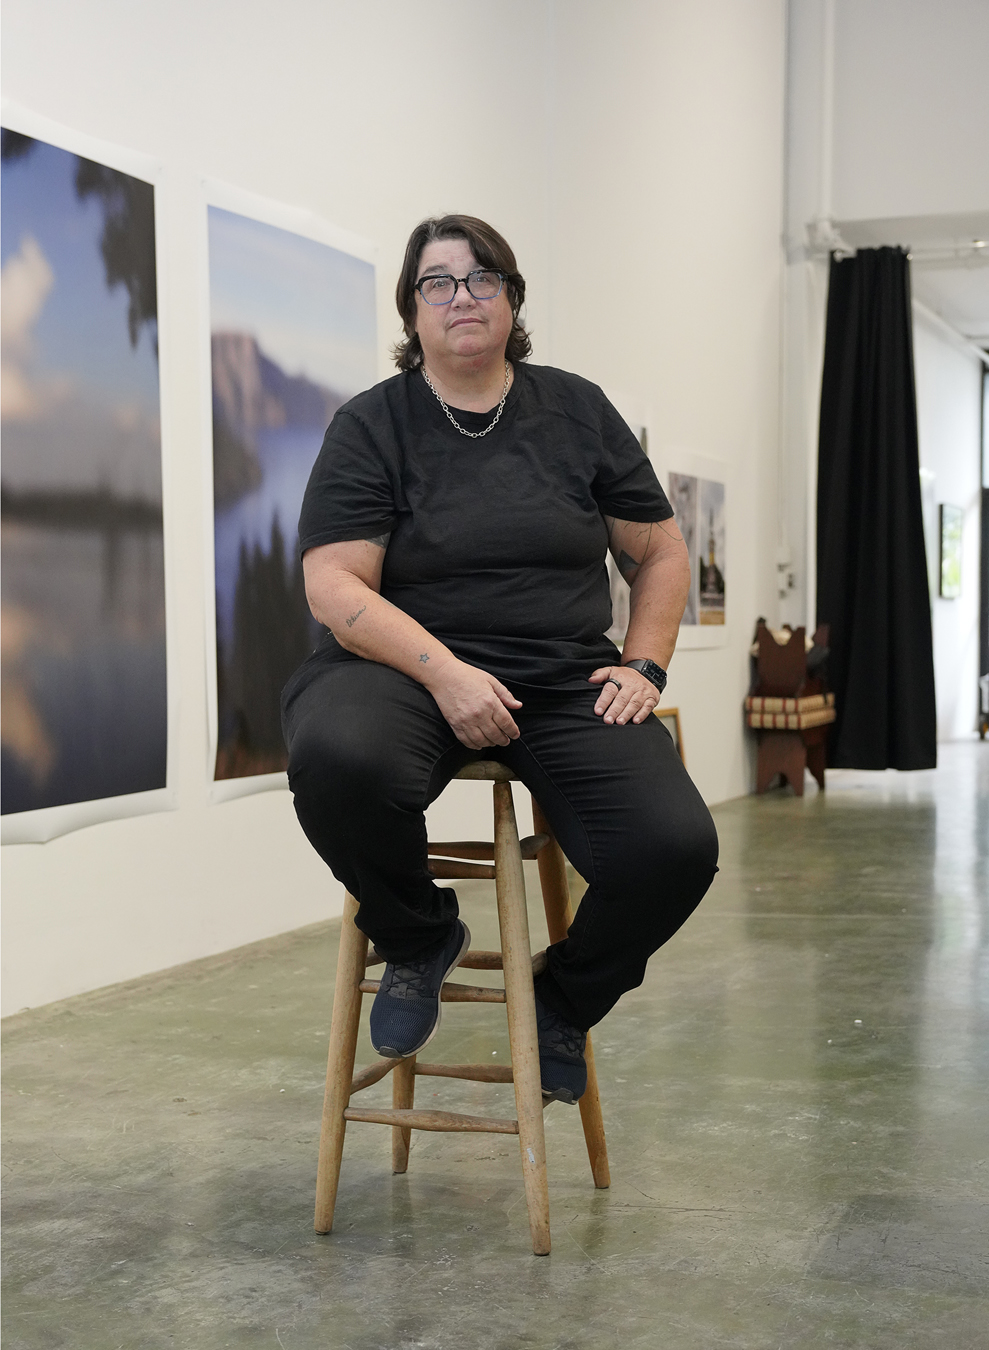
<point>454,535</point>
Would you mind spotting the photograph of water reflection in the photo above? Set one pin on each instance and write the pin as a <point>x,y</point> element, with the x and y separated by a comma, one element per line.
<point>84,677</point>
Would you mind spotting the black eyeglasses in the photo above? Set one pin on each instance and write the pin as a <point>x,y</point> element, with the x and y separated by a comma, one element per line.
<point>482,284</point>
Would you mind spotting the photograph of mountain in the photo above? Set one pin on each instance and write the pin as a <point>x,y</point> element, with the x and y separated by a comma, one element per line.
<point>292,325</point>
<point>83,589</point>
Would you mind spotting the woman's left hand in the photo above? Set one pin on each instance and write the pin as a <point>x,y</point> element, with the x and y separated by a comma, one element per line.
<point>626,695</point>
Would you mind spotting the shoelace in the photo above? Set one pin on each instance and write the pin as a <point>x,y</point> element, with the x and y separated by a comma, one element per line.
<point>413,979</point>
<point>561,1036</point>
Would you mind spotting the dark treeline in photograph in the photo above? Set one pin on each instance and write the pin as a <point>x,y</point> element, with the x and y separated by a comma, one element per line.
<point>273,632</point>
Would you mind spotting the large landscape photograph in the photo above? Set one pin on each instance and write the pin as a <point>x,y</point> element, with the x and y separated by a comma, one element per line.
<point>83,589</point>
<point>292,338</point>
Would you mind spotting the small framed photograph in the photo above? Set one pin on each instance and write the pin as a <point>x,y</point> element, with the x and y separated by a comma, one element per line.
<point>950,587</point>
<point>670,718</point>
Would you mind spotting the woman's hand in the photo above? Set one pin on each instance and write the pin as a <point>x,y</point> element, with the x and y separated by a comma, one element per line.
<point>626,695</point>
<point>475,704</point>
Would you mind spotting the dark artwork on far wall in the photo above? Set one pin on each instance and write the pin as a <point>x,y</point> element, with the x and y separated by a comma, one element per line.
<point>951,520</point>
<point>85,701</point>
<point>293,337</point>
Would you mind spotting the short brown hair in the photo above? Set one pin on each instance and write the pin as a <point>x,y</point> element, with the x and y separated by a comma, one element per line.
<point>490,250</point>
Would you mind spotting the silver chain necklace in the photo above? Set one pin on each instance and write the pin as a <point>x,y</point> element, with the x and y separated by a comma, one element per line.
<point>474,435</point>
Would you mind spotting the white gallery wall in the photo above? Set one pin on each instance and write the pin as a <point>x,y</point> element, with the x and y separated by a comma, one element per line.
<point>631,154</point>
<point>667,137</point>
<point>949,417</point>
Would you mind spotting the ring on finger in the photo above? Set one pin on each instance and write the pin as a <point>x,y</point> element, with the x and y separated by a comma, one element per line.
<point>611,680</point>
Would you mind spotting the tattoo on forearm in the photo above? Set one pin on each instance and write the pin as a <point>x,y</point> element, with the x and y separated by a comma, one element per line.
<point>380,539</point>
<point>628,566</point>
<point>354,617</point>
<point>674,534</point>
<point>637,535</point>
<point>423,658</point>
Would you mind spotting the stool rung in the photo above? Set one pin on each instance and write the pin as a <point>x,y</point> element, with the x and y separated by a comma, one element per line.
<point>529,847</point>
<point>450,993</point>
<point>478,960</point>
<point>477,1073</point>
<point>431,1120</point>
<point>464,871</point>
<point>372,1074</point>
<point>481,961</point>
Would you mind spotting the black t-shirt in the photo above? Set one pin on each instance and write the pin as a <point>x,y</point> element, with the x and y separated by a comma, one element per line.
<point>498,544</point>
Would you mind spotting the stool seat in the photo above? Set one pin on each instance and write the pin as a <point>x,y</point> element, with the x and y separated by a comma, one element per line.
<point>488,771</point>
<point>515,959</point>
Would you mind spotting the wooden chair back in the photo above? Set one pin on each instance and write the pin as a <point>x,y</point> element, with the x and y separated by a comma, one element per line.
<point>781,670</point>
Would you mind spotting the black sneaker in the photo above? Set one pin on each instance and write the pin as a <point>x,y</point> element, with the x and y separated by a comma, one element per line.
<point>405,1014</point>
<point>561,1057</point>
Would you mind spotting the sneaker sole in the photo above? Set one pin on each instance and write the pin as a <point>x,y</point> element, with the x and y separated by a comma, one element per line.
<point>560,1095</point>
<point>386,1051</point>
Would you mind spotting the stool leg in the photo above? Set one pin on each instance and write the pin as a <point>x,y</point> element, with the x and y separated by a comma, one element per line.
<point>340,1064</point>
<point>559,916</point>
<point>403,1091</point>
<point>517,962</point>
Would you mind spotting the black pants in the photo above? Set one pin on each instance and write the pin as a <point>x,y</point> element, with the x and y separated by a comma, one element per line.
<point>369,750</point>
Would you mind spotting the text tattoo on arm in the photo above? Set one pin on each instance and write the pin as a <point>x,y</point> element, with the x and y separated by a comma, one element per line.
<point>381,541</point>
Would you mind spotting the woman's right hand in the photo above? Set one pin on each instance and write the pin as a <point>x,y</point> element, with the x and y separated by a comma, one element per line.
<point>475,704</point>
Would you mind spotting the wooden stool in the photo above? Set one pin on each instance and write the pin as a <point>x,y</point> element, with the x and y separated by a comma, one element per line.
<point>516,961</point>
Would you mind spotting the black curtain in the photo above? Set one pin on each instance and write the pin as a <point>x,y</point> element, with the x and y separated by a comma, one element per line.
<point>871,565</point>
<point>984,553</point>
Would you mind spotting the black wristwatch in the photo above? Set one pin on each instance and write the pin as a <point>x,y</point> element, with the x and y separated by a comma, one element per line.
<point>651,671</point>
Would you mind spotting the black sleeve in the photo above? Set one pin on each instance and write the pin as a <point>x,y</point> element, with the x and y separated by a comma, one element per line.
<point>625,485</point>
<point>351,493</point>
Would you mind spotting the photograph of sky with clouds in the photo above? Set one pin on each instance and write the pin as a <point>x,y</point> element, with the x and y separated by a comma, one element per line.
<point>309,307</point>
<point>83,591</point>
<point>80,403</point>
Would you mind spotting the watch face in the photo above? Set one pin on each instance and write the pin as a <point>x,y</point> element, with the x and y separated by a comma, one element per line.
<point>651,671</point>
<point>655,673</point>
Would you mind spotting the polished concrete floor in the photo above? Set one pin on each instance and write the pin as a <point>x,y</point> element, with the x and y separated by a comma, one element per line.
<point>796,1104</point>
